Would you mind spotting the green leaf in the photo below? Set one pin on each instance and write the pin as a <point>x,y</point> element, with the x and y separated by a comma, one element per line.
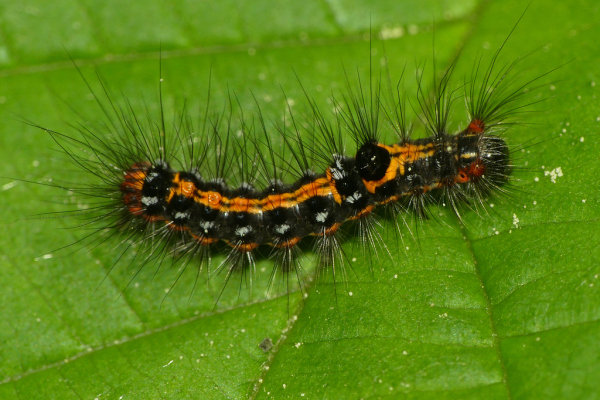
<point>503,306</point>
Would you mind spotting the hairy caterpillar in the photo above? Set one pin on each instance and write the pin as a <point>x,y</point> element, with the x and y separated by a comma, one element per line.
<point>184,189</point>
<point>468,311</point>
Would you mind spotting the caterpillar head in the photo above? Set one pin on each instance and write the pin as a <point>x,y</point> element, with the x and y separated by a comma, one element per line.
<point>484,161</point>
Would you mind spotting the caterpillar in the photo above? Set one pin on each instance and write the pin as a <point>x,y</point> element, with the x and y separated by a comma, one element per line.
<point>188,190</point>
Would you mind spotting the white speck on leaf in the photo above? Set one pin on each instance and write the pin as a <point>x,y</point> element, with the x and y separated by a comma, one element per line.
<point>555,173</point>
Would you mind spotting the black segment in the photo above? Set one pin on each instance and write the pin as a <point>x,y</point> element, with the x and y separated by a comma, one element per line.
<point>320,212</point>
<point>179,210</point>
<point>349,185</point>
<point>372,162</point>
<point>467,145</point>
<point>243,228</point>
<point>282,224</point>
<point>203,223</point>
<point>155,190</point>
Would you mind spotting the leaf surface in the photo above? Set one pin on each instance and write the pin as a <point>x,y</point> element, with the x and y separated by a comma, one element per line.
<point>503,306</point>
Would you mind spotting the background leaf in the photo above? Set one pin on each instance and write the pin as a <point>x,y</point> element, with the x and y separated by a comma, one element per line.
<point>494,309</point>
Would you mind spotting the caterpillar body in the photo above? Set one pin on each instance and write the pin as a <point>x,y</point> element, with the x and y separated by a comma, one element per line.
<point>165,188</point>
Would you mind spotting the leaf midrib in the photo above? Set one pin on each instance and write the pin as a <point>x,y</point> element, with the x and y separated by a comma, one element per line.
<point>490,312</point>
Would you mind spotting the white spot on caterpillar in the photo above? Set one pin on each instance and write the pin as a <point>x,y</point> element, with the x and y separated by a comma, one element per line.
<point>353,198</point>
<point>207,225</point>
<point>322,216</point>
<point>283,228</point>
<point>243,231</point>
<point>181,215</point>
<point>246,186</point>
<point>337,174</point>
<point>148,201</point>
